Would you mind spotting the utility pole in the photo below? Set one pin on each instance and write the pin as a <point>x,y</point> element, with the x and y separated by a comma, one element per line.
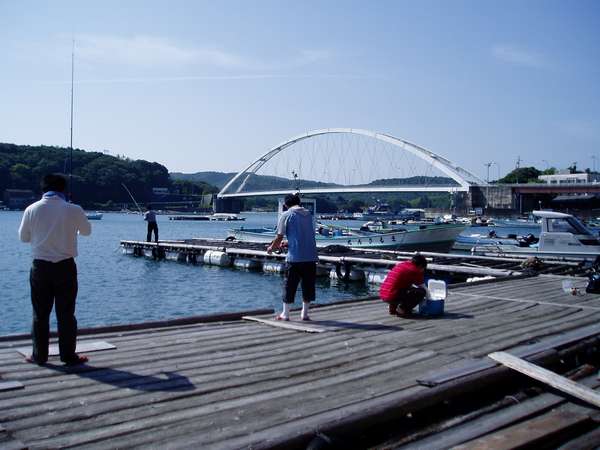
<point>488,165</point>
<point>593,163</point>
<point>517,168</point>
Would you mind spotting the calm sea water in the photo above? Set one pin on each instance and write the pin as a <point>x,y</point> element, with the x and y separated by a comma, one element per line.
<point>116,289</point>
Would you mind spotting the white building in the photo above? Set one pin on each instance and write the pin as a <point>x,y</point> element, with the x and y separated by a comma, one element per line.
<point>570,178</point>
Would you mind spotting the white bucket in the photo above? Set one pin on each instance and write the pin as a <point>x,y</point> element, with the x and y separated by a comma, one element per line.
<point>436,290</point>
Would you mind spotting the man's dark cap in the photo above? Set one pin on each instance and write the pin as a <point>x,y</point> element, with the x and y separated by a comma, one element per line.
<point>54,182</point>
<point>291,200</point>
<point>419,261</point>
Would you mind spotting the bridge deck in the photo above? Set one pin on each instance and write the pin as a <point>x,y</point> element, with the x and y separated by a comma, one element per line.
<point>237,384</point>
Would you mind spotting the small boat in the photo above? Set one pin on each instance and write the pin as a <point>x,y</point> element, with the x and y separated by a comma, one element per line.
<point>225,217</point>
<point>562,236</point>
<point>466,241</point>
<point>94,215</point>
<point>189,217</point>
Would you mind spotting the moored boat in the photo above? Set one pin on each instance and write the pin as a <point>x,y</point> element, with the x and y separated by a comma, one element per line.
<point>94,215</point>
<point>562,236</point>
<point>426,237</point>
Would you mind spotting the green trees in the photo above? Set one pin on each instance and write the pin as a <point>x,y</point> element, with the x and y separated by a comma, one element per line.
<point>96,177</point>
<point>521,175</point>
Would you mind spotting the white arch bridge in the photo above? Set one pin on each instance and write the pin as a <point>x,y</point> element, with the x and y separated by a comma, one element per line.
<point>348,160</point>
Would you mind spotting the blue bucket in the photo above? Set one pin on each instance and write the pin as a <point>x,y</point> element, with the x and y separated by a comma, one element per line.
<point>431,307</point>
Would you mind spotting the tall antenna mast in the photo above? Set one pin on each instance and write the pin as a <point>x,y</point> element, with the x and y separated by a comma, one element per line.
<point>71,141</point>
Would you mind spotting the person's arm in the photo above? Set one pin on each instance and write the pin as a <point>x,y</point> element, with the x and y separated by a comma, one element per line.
<point>281,229</point>
<point>84,227</point>
<point>25,228</point>
<point>276,244</point>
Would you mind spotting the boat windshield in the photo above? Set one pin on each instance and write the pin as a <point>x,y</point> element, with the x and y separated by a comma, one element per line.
<point>567,225</point>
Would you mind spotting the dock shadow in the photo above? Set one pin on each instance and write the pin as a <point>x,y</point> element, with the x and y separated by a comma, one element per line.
<point>445,316</point>
<point>170,382</point>
<point>355,326</point>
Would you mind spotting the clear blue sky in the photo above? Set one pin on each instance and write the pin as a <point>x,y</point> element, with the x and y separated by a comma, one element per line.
<point>212,85</point>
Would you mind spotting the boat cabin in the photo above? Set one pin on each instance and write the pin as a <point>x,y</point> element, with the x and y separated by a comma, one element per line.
<point>564,233</point>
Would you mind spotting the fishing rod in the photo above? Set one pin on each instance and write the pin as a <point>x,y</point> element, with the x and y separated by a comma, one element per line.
<point>131,195</point>
<point>70,193</point>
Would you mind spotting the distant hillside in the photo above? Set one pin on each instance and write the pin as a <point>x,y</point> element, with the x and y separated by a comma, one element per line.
<point>218,179</point>
<point>418,181</point>
<point>267,182</point>
<point>254,183</point>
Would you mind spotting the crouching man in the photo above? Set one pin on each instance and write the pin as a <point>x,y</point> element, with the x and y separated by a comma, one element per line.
<point>404,287</point>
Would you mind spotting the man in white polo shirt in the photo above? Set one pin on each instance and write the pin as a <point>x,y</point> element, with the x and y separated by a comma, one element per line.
<point>51,226</point>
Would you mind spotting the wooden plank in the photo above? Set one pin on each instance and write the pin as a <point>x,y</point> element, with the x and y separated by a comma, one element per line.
<point>545,376</point>
<point>584,442</point>
<point>82,347</point>
<point>523,351</point>
<point>10,385</point>
<point>532,433</point>
<point>9,443</point>
<point>296,326</point>
<point>490,423</point>
<point>539,302</point>
<point>193,320</point>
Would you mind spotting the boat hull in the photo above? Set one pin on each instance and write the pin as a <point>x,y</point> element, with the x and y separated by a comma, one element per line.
<point>434,238</point>
<point>509,250</point>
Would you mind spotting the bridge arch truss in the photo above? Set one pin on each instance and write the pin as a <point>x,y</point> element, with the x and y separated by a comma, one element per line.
<point>462,178</point>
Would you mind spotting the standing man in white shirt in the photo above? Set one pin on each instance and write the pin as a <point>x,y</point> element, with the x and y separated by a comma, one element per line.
<point>51,226</point>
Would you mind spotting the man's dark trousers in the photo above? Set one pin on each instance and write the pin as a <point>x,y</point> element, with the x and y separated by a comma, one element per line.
<point>152,226</point>
<point>296,273</point>
<point>407,299</point>
<point>54,283</point>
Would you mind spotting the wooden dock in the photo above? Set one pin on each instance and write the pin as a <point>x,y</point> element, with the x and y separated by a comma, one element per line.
<point>246,384</point>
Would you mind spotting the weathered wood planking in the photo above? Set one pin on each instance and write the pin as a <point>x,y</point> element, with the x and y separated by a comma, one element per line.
<point>236,384</point>
<point>288,325</point>
<point>82,347</point>
<point>533,433</point>
<point>10,385</point>
<point>546,376</point>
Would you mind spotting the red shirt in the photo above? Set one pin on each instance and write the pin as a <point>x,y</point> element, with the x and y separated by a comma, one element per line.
<point>402,276</point>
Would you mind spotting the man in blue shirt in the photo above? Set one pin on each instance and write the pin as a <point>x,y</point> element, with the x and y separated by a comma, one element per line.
<point>297,225</point>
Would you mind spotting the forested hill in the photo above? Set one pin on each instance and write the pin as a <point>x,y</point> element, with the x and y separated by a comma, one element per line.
<point>267,182</point>
<point>97,177</point>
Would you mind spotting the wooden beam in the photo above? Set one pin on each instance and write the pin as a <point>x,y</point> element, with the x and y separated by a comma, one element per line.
<point>10,385</point>
<point>537,302</point>
<point>287,325</point>
<point>82,347</point>
<point>524,351</point>
<point>550,378</point>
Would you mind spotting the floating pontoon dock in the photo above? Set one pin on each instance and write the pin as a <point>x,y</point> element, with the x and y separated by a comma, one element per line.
<point>368,379</point>
<point>340,262</point>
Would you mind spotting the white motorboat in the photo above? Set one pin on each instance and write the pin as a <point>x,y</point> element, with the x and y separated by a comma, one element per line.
<point>562,236</point>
